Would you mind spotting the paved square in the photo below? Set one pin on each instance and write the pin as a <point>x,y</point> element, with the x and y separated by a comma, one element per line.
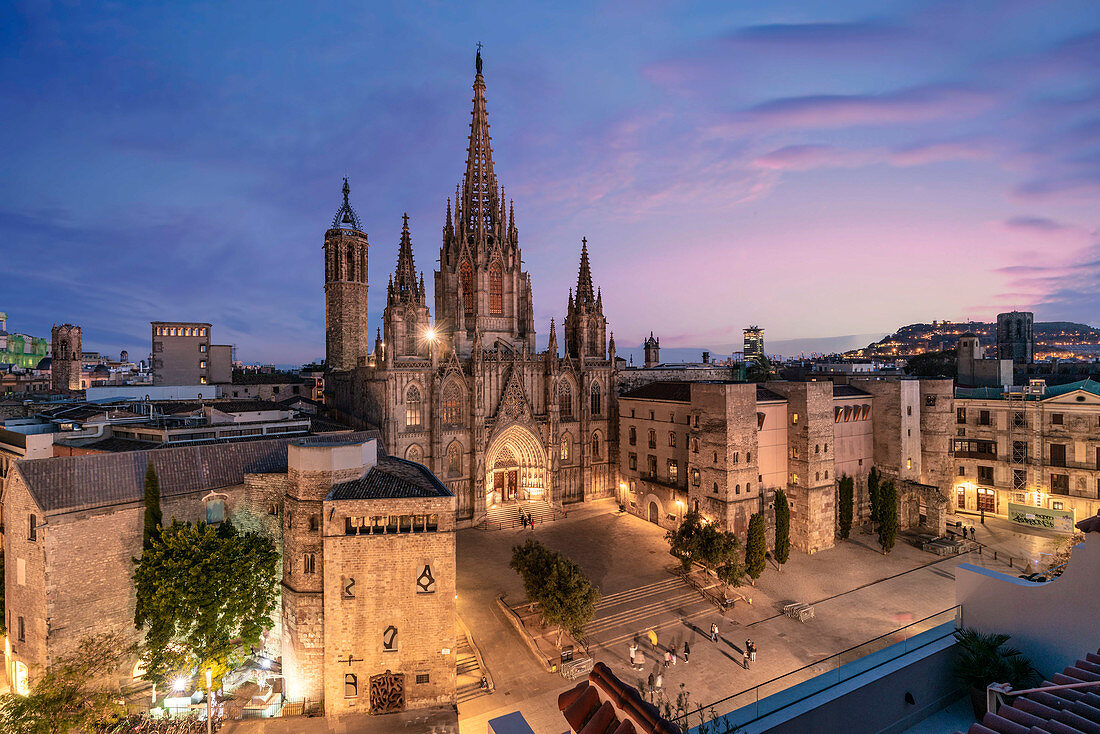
<point>858,594</point>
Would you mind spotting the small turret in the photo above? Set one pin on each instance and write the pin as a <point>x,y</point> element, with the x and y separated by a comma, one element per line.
<point>652,347</point>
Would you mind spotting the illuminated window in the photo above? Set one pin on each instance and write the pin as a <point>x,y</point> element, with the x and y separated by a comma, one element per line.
<point>794,418</point>
<point>565,442</point>
<point>22,682</point>
<point>202,380</point>
<point>695,477</point>
<point>452,404</point>
<point>496,290</point>
<point>202,364</point>
<point>466,277</point>
<point>673,470</point>
<point>412,407</point>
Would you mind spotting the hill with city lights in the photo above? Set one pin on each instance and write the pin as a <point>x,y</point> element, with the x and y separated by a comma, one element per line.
<point>1053,340</point>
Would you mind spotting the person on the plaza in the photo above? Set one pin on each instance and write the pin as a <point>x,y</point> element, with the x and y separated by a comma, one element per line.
<point>714,632</point>
<point>652,638</point>
<point>660,681</point>
<point>752,651</point>
<point>633,648</point>
<point>747,657</point>
<point>668,658</point>
<point>673,655</point>
<point>687,651</point>
<point>650,681</point>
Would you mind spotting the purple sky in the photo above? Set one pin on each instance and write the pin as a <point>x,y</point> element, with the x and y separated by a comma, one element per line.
<point>818,168</point>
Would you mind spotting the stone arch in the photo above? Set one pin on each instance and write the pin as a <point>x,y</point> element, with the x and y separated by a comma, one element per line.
<point>414,405</point>
<point>414,453</point>
<point>515,466</point>
<point>454,458</point>
<point>567,393</point>
<point>452,402</point>
<point>496,288</point>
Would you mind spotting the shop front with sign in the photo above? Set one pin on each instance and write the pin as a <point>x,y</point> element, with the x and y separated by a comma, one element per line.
<point>1040,517</point>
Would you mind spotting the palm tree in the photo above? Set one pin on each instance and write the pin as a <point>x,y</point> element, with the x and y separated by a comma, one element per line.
<point>982,658</point>
<point>759,369</point>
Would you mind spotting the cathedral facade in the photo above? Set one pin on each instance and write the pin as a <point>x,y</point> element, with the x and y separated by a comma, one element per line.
<point>467,394</point>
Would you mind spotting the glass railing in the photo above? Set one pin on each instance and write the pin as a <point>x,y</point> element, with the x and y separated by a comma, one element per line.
<point>789,689</point>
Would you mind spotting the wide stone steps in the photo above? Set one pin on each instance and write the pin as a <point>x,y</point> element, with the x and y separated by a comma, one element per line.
<point>467,672</point>
<point>507,515</point>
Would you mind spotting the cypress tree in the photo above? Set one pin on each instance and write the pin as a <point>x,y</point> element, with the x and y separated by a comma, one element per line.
<point>888,516</point>
<point>153,517</point>
<point>757,547</point>
<point>873,480</point>
<point>782,527</point>
<point>847,487</point>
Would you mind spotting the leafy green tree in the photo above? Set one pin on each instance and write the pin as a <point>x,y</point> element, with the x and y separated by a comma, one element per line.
<point>205,594</point>
<point>874,479</point>
<point>782,527</point>
<point>756,547</point>
<point>759,369</point>
<point>696,541</point>
<point>72,695</point>
<point>846,489</point>
<point>933,364</point>
<point>888,516</point>
<point>565,595</point>
<point>153,516</point>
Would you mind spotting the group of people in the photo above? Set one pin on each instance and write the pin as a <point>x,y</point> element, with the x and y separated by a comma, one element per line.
<point>671,656</point>
<point>527,519</point>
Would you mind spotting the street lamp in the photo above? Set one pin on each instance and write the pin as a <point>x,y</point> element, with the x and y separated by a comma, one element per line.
<point>209,685</point>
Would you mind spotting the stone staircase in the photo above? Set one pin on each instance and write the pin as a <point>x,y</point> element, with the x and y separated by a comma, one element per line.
<point>507,515</point>
<point>468,671</point>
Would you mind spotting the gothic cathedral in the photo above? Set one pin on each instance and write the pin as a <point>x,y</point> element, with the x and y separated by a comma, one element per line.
<point>468,395</point>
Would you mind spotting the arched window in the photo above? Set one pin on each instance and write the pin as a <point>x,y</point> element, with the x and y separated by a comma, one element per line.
<point>410,337</point>
<point>594,346</point>
<point>309,563</point>
<point>351,685</point>
<point>565,399</point>
<point>596,445</point>
<point>566,442</point>
<point>452,404</point>
<point>414,454</point>
<point>672,439</point>
<point>412,407</point>
<point>496,290</point>
<point>466,276</point>
<point>349,274</point>
<point>454,459</point>
<point>596,395</point>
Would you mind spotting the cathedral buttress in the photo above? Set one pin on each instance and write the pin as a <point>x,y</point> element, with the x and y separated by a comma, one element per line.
<point>406,319</point>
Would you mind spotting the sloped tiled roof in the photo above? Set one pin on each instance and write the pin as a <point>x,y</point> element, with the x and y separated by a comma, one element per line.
<point>98,480</point>
<point>763,394</point>
<point>603,704</point>
<point>673,390</point>
<point>1064,711</point>
<point>391,478</point>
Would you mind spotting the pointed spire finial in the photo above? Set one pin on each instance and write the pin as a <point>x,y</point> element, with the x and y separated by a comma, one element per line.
<point>477,61</point>
<point>347,190</point>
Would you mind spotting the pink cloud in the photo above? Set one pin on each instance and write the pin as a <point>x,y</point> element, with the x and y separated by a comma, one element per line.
<point>916,104</point>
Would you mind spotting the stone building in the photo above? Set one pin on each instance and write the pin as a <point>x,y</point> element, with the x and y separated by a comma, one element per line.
<point>467,395</point>
<point>1031,454</point>
<point>974,370</point>
<point>723,448</point>
<point>366,618</point>
<point>1015,336</point>
<point>346,335</point>
<point>183,355</point>
<point>66,362</point>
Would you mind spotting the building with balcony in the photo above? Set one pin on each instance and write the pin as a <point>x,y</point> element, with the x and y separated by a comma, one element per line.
<point>1031,454</point>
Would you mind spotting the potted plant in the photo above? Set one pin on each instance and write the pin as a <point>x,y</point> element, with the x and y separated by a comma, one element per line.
<point>983,658</point>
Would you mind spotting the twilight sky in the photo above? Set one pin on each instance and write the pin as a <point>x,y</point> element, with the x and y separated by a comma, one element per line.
<point>818,168</point>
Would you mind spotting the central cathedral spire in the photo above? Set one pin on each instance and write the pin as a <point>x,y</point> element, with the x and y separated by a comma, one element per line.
<point>480,198</point>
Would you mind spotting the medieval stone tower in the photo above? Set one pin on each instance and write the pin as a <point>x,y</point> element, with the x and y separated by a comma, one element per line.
<point>345,290</point>
<point>1015,339</point>
<point>652,349</point>
<point>65,348</point>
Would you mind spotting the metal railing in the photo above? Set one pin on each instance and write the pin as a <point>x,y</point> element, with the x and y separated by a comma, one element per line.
<point>754,703</point>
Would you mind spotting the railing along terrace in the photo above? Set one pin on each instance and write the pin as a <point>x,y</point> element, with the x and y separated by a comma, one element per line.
<point>757,702</point>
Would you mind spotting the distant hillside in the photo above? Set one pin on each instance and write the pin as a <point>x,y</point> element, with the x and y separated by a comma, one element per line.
<point>1062,339</point>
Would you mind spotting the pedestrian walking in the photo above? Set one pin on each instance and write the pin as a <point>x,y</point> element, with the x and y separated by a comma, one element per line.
<point>660,681</point>
<point>633,649</point>
<point>668,658</point>
<point>652,638</point>
<point>748,653</point>
<point>687,651</point>
<point>752,651</point>
<point>650,681</point>
<point>674,656</point>
<point>714,632</point>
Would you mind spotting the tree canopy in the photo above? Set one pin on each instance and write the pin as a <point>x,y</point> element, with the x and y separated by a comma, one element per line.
<point>782,527</point>
<point>565,595</point>
<point>933,364</point>
<point>204,593</point>
<point>153,515</point>
<point>874,479</point>
<point>696,541</point>
<point>73,694</point>
<point>846,492</point>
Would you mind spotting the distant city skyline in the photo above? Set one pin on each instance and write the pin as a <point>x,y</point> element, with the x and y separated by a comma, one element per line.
<point>819,169</point>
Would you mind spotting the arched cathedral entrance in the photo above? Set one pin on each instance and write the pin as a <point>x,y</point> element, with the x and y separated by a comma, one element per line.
<point>515,468</point>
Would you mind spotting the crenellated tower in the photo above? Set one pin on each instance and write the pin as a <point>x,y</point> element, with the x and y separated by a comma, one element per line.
<point>406,318</point>
<point>481,284</point>
<point>346,334</point>
<point>65,362</point>
<point>585,325</point>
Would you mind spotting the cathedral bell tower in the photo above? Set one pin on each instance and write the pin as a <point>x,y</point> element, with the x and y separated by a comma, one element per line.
<point>346,334</point>
<point>406,319</point>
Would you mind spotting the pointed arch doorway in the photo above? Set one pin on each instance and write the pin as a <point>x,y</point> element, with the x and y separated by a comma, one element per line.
<point>515,468</point>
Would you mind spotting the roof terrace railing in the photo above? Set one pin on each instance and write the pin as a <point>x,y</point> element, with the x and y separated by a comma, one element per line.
<point>754,703</point>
